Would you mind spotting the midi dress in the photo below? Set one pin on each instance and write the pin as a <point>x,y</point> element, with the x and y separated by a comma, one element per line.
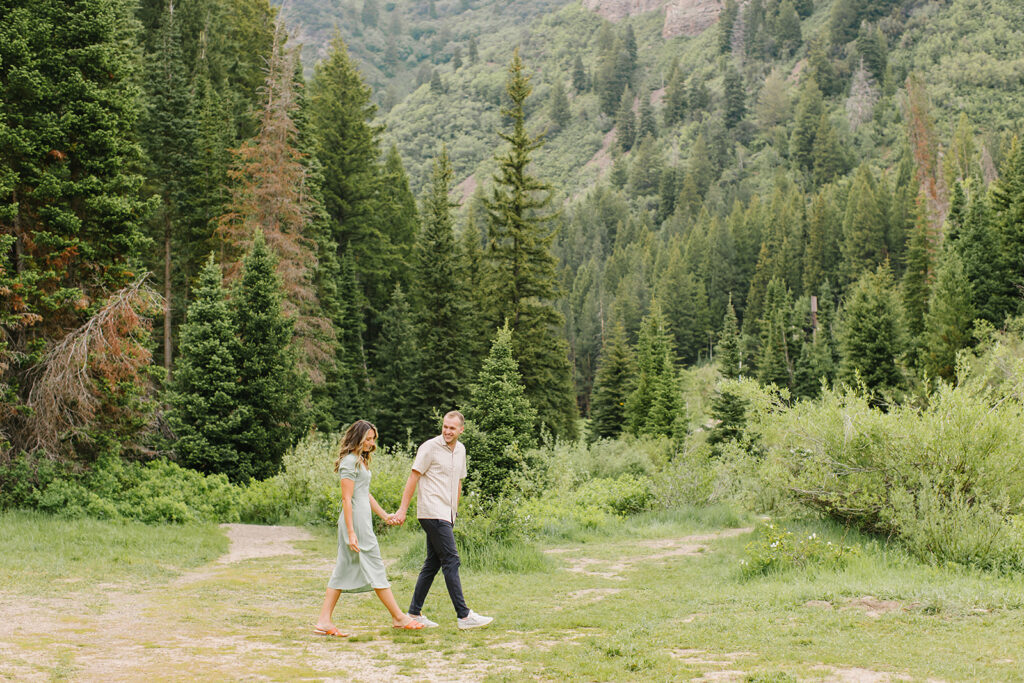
<point>363,571</point>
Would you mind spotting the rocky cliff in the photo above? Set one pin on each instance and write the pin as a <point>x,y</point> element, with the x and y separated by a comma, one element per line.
<point>682,17</point>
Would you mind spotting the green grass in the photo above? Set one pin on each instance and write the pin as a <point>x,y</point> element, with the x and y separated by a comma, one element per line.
<point>653,615</point>
<point>39,552</point>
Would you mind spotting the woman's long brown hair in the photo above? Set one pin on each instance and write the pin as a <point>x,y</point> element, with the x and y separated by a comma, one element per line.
<point>353,438</point>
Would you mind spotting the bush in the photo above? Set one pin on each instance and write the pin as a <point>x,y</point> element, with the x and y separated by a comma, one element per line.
<point>946,479</point>
<point>624,495</point>
<point>776,549</point>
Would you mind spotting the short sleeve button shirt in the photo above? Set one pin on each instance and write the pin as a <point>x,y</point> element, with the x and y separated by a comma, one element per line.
<point>441,470</point>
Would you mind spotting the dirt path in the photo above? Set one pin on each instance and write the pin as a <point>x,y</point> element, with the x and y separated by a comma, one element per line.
<point>248,616</point>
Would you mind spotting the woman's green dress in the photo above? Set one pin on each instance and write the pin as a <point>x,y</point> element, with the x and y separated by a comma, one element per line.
<point>362,571</point>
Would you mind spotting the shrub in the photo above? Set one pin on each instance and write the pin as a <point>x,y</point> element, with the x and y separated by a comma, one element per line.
<point>776,549</point>
<point>624,495</point>
<point>946,479</point>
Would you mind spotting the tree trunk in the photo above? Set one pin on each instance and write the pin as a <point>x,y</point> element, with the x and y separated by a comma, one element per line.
<point>167,296</point>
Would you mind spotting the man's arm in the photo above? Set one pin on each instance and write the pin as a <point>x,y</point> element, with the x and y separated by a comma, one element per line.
<point>410,488</point>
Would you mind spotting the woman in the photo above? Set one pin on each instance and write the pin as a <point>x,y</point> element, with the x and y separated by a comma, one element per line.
<point>359,566</point>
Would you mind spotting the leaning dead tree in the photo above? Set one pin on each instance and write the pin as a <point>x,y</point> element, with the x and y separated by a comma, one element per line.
<point>89,370</point>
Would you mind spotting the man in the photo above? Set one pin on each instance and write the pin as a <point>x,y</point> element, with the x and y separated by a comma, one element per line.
<point>439,468</point>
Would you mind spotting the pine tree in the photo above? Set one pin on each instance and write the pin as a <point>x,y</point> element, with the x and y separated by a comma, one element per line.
<point>521,269</point>
<point>1008,221</point>
<point>676,95</point>
<point>735,97</point>
<point>863,244</point>
<point>646,125</point>
<point>829,159</point>
<point>341,115</point>
<point>395,214</point>
<point>612,385</point>
<point>871,333</point>
<point>950,318</point>
<point>872,49</point>
<point>976,241</point>
<point>625,123</point>
<point>579,76</point>
<point>207,412</point>
<point>648,406</point>
<point>270,195</point>
<point>788,36</point>
<point>729,409</point>
<point>70,205</point>
<point>169,137</point>
<point>775,364</point>
<point>398,399</point>
<point>558,105</point>
<point>809,110</point>
<point>270,386</point>
<point>726,22</point>
<point>501,421</point>
<point>917,282</point>
<point>440,302</point>
<point>729,357</point>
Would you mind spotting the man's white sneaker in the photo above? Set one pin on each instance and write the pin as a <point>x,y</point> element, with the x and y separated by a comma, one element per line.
<point>427,623</point>
<point>473,620</point>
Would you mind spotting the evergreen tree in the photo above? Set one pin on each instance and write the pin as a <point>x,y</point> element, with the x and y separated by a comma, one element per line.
<point>501,421</point>
<point>439,296</point>
<point>729,357</point>
<point>341,115</point>
<point>558,105</point>
<point>351,384</point>
<point>872,49</point>
<point>871,333</point>
<point>863,244</point>
<point>775,365</point>
<point>70,206</point>
<point>655,402</point>
<point>646,124</point>
<point>917,282</point>
<point>625,123</point>
<point>827,151</point>
<point>735,97</point>
<point>788,37</point>
<point>950,318</point>
<point>397,393</point>
<point>207,413</point>
<point>169,136</point>
<point>843,21</point>
<point>726,22</point>
<point>395,214</point>
<point>270,386</point>
<point>977,244</point>
<point>676,98</point>
<point>579,76</point>
<point>1008,222</point>
<point>521,270</point>
<point>809,110</point>
<point>729,410</point>
<point>612,385</point>
<point>821,69</point>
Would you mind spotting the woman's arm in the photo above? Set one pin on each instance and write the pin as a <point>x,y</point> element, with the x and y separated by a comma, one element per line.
<point>347,488</point>
<point>375,506</point>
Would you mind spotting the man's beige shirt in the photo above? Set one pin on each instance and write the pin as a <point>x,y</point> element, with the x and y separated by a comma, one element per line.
<point>441,470</point>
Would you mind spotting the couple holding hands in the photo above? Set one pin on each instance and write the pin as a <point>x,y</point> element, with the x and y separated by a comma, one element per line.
<point>438,471</point>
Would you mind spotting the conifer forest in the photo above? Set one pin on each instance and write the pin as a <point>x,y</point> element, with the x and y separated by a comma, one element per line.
<point>228,227</point>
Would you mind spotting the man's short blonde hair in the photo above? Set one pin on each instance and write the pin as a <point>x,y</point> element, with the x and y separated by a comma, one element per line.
<point>456,414</point>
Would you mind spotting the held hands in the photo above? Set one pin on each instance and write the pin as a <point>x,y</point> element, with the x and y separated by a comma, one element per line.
<point>396,519</point>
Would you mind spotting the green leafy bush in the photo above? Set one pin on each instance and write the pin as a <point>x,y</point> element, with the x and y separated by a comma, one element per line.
<point>777,549</point>
<point>625,495</point>
<point>947,479</point>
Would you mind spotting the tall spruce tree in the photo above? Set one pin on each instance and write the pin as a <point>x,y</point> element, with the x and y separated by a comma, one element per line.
<point>207,413</point>
<point>950,318</point>
<point>655,402</point>
<point>269,383</point>
<point>169,136</point>
<point>735,97</point>
<point>397,391</point>
<point>501,422</point>
<point>70,205</point>
<point>440,302</point>
<point>347,145</point>
<point>521,269</point>
<point>729,354</point>
<point>613,384</point>
<point>872,340</point>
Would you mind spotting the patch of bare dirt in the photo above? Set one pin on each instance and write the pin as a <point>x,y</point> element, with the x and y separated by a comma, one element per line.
<point>873,607</point>
<point>860,675</point>
<point>250,541</point>
<point>705,658</point>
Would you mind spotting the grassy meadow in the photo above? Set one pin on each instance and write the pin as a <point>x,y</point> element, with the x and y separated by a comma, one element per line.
<point>659,596</point>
